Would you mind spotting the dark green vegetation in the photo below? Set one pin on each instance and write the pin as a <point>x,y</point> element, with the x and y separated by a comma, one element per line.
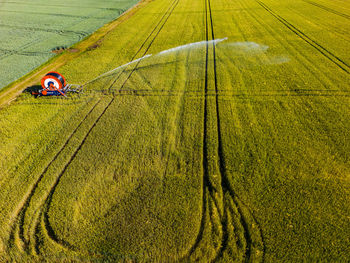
<point>227,150</point>
<point>33,31</point>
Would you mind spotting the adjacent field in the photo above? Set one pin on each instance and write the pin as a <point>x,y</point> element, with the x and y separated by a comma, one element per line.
<point>31,30</point>
<point>228,141</point>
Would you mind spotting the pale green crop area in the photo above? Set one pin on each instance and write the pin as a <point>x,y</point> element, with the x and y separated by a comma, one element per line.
<point>31,30</point>
<point>220,133</point>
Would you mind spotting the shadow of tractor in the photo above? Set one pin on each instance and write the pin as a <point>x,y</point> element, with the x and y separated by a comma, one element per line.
<point>32,90</point>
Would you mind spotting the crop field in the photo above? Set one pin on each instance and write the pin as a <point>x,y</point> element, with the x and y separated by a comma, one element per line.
<point>209,131</point>
<point>32,31</point>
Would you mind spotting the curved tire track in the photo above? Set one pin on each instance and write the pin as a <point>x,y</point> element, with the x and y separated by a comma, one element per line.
<point>207,187</point>
<point>225,184</point>
<point>20,215</point>
<point>18,227</point>
<point>48,200</point>
<point>227,190</point>
<point>48,228</point>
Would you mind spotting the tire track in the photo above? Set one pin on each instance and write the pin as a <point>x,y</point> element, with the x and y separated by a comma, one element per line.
<point>168,12</point>
<point>160,29</point>
<point>48,200</point>
<point>51,14</point>
<point>337,32</point>
<point>8,52</point>
<point>226,188</point>
<point>79,34</point>
<point>207,187</point>
<point>225,184</point>
<point>227,191</point>
<point>327,9</point>
<point>20,50</point>
<point>50,30</point>
<point>20,215</point>
<point>302,59</point>
<point>326,53</point>
<point>18,227</point>
<point>48,228</point>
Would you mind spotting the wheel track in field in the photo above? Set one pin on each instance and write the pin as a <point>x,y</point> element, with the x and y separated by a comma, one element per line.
<point>18,227</point>
<point>338,32</point>
<point>225,184</point>
<point>304,61</point>
<point>9,52</point>
<point>166,16</point>
<point>20,214</point>
<point>326,53</point>
<point>50,30</point>
<point>208,189</point>
<point>307,65</point>
<point>44,213</point>
<point>20,49</point>
<point>330,10</point>
<point>157,33</point>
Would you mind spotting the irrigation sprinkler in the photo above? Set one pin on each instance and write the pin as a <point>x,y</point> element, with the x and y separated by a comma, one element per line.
<point>54,84</point>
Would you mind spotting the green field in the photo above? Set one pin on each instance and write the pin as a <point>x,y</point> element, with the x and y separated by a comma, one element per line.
<point>31,30</point>
<point>220,133</point>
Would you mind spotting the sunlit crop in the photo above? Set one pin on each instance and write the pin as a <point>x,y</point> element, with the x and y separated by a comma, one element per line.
<point>209,131</point>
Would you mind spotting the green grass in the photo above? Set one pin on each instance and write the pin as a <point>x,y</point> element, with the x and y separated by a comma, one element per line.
<point>228,152</point>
